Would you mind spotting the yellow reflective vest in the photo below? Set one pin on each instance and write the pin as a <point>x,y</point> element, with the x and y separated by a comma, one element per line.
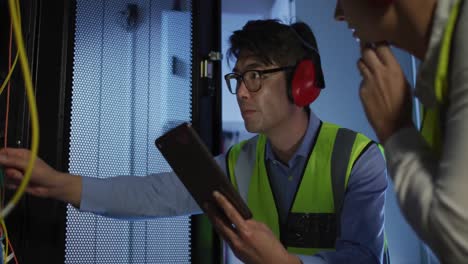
<point>432,124</point>
<point>313,221</point>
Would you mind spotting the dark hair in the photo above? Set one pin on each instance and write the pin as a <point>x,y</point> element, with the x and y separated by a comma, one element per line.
<point>273,42</point>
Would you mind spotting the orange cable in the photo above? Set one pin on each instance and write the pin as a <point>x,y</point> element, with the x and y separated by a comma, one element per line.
<point>9,86</point>
<point>6,131</point>
<point>13,252</point>
<point>7,110</point>
<point>8,243</point>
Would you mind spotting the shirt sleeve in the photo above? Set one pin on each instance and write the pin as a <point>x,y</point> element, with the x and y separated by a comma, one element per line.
<point>312,259</point>
<point>132,197</point>
<point>362,217</point>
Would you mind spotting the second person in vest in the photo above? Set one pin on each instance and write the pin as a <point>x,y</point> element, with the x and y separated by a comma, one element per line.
<point>429,167</point>
<point>317,191</point>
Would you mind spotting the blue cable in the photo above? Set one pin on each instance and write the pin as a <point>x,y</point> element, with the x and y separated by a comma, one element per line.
<point>1,253</point>
<point>2,176</point>
<point>2,238</point>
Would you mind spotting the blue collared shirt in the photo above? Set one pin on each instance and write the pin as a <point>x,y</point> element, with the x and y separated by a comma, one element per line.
<point>285,177</point>
<point>160,195</point>
<point>363,206</point>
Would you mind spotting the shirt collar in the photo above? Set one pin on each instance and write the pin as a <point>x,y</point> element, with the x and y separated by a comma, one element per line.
<point>306,144</point>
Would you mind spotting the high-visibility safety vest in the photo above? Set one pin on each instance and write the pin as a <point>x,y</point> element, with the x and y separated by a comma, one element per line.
<point>432,124</point>
<point>313,221</point>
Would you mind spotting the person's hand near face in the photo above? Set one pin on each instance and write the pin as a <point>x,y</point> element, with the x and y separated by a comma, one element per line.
<point>385,92</point>
<point>250,240</point>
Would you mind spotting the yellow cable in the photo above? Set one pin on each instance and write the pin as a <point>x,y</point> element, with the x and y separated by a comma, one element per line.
<point>5,255</point>
<point>5,82</point>
<point>14,13</point>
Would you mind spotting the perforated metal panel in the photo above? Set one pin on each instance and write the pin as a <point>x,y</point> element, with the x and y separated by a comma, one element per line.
<point>131,82</point>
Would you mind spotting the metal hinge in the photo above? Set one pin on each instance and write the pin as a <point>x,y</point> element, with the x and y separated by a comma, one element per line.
<point>206,65</point>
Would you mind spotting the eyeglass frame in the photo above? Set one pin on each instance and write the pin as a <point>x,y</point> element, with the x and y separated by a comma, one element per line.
<point>238,76</point>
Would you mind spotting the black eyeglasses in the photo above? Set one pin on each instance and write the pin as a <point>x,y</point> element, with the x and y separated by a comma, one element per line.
<point>251,78</point>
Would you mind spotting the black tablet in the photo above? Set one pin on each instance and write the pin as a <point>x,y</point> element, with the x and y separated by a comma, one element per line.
<point>193,163</point>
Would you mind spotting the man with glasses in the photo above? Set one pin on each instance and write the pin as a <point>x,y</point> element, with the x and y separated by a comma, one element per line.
<point>317,191</point>
<point>290,172</point>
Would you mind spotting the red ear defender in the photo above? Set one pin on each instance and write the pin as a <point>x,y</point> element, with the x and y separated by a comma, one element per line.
<point>304,89</point>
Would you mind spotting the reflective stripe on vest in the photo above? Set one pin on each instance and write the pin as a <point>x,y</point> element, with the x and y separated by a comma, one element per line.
<point>431,128</point>
<point>335,148</point>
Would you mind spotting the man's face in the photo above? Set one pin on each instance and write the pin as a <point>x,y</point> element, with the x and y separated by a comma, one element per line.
<point>366,18</point>
<point>266,108</point>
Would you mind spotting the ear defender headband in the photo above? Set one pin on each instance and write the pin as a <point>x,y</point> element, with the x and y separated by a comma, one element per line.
<point>307,79</point>
<point>383,2</point>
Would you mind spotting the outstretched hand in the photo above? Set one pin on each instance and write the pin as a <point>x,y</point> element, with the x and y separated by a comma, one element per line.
<point>385,93</point>
<point>250,240</point>
<point>45,181</point>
